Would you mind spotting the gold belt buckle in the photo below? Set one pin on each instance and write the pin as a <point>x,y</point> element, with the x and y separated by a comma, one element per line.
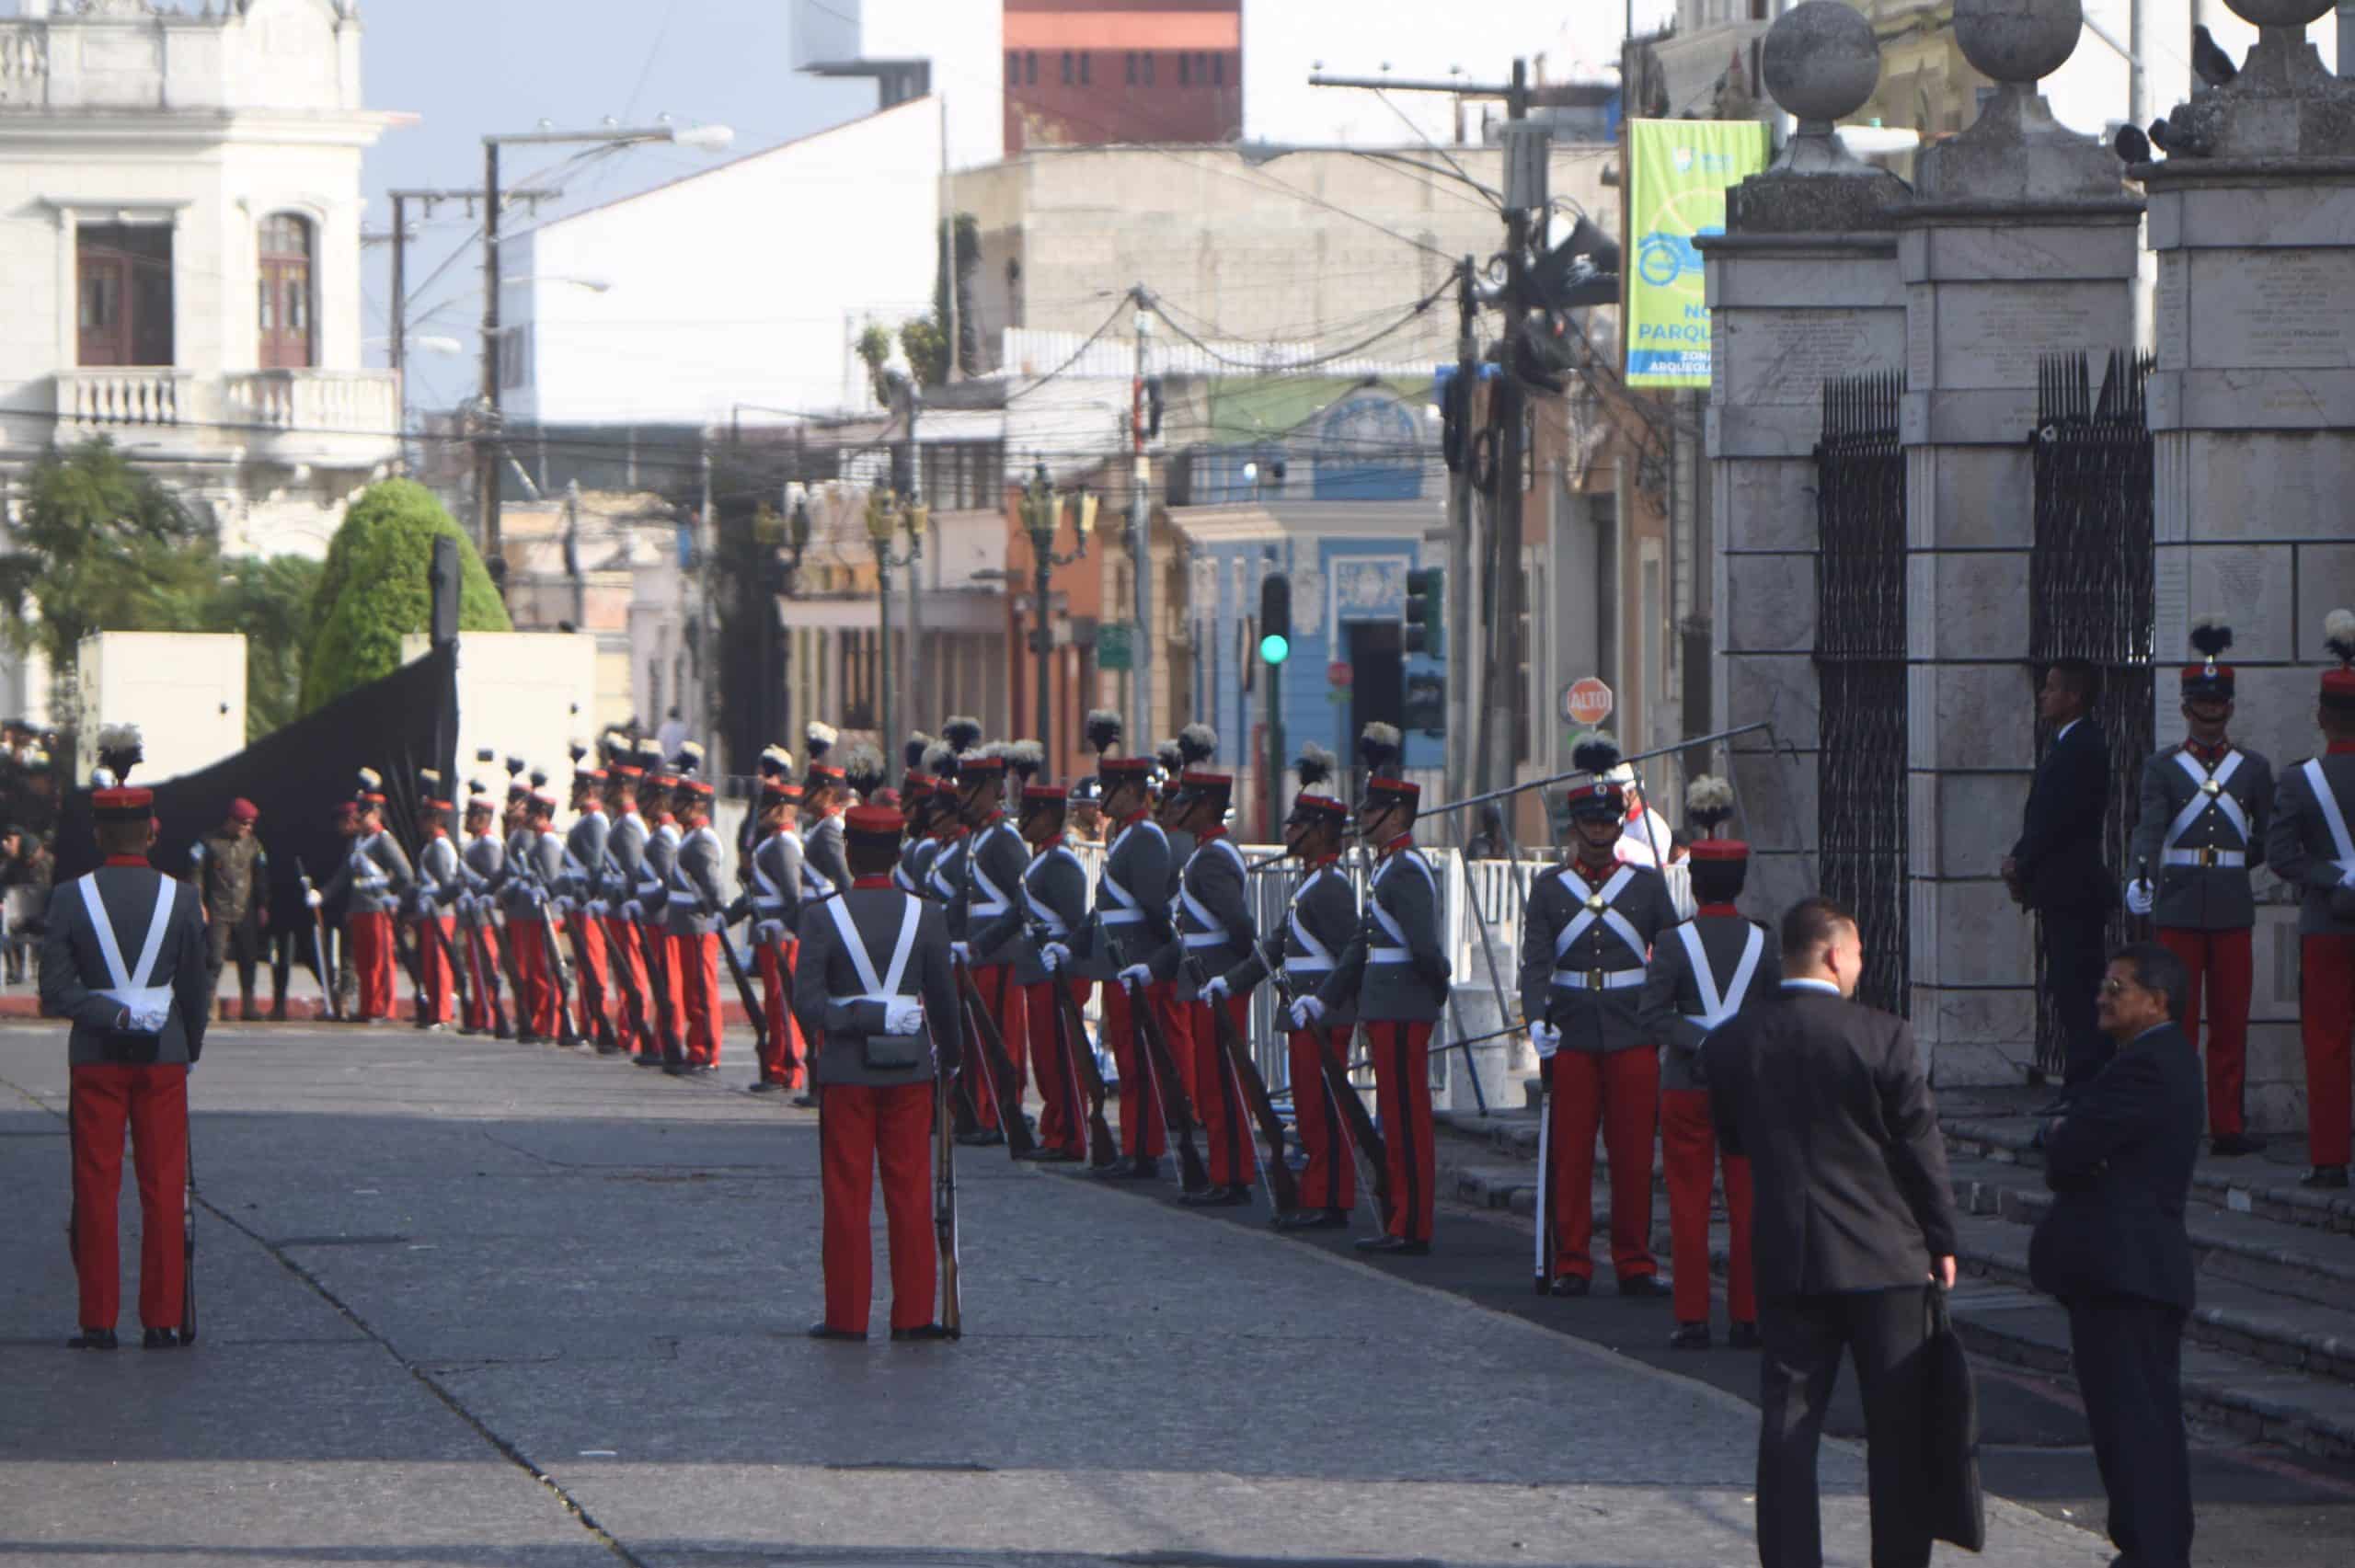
<point>2208,856</point>
<point>1595,979</point>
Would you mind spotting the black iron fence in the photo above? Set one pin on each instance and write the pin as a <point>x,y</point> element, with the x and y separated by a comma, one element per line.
<point>2090,590</point>
<point>1860,663</point>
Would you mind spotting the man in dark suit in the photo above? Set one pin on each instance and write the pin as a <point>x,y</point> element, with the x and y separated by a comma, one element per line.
<point>2056,867</point>
<point>1855,1220</point>
<point>123,957</point>
<point>2113,1249</point>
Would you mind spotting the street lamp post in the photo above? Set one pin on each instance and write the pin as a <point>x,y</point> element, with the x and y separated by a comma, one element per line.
<point>704,137</point>
<point>1043,513</point>
<point>887,514</point>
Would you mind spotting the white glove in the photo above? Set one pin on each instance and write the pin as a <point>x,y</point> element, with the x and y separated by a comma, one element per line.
<point>1545,1039</point>
<point>768,934</point>
<point>633,911</point>
<point>1135,975</point>
<point>1307,1012</point>
<point>2141,897</point>
<point>312,899</point>
<point>1054,956</point>
<point>2349,880</point>
<point>902,1015</point>
<point>1213,990</point>
<point>150,1018</point>
<point>597,910</point>
<point>962,953</point>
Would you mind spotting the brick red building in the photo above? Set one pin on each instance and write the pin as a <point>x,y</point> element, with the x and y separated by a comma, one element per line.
<point>1097,73</point>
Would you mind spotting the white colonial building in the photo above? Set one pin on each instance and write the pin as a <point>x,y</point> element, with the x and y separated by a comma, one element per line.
<point>180,230</point>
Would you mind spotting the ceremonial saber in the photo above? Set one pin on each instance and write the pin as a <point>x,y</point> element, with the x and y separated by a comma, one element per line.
<point>944,1203</point>
<point>187,1229</point>
<point>318,944</point>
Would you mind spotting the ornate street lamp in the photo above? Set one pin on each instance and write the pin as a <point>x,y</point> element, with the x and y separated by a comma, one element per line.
<point>887,514</point>
<point>1042,514</point>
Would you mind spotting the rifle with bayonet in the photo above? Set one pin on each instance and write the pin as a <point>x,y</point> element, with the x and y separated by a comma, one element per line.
<point>1284,1187</point>
<point>318,941</point>
<point>1152,1047</point>
<point>1070,1035</point>
<point>944,1203</point>
<point>1364,1137</point>
<point>1004,1088</point>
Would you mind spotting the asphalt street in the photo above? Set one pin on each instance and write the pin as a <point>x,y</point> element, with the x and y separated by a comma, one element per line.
<point>467,1302</point>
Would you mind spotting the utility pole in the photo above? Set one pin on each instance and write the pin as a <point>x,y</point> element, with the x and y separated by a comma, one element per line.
<point>706,620</point>
<point>488,478</point>
<point>949,257</point>
<point>1139,538</point>
<point>1503,583</point>
<point>1459,540</point>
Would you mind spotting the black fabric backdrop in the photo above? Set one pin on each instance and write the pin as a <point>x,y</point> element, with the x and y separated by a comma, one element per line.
<point>296,776</point>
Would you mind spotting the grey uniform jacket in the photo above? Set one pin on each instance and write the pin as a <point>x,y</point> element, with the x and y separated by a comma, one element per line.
<point>916,861</point>
<point>991,917</point>
<point>2200,855</point>
<point>827,978</point>
<point>584,854</point>
<point>440,879</point>
<point>653,888</point>
<point>1215,928</point>
<point>519,893</point>
<point>1054,907</point>
<point>822,851</point>
<point>1132,917</point>
<point>2304,850</point>
<point>945,881</point>
<point>74,966</point>
<point>1741,968</point>
<point>775,871</point>
<point>485,860</point>
<point>624,859</point>
<point>547,861</point>
<point>374,874</point>
<point>1394,966</point>
<point>1317,928</point>
<point>1582,968</point>
<point>695,897</point>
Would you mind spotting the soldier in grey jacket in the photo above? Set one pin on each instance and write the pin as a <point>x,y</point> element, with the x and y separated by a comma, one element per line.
<point>985,921</point>
<point>1214,930</point>
<point>1703,972</point>
<point>578,902</point>
<point>481,863</point>
<point>440,881</point>
<point>875,992</point>
<point>1586,939</point>
<point>618,885</point>
<point>1397,971</point>
<point>1053,907</point>
<point>1317,928</point>
<point>373,879</point>
<point>2201,837</point>
<point>692,911</point>
<point>2311,847</point>
<point>122,957</point>
<point>773,899</point>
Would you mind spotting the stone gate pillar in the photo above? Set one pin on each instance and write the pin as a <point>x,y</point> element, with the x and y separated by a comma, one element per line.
<point>2021,241</point>
<point>2252,414</point>
<point>1802,289</point>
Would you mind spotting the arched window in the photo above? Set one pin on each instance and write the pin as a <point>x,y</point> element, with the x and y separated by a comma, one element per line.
<point>288,338</point>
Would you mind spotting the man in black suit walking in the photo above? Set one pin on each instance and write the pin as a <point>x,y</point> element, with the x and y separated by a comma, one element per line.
<point>2056,867</point>
<point>1855,1220</point>
<point>2113,1249</point>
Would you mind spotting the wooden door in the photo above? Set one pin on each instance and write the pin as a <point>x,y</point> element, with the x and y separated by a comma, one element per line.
<point>284,294</point>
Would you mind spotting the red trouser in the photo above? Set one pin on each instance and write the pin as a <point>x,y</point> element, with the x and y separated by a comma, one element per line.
<point>669,993</point>
<point>695,961</point>
<point>1330,1178</point>
<point>1144,1133</point>
<point>1689,1149</point>
<point>1002,999</point>
<point>859,1128</point>
<point>595,1015</point>
<point>1063,1120</point>
<point>783,1063</point>
<point>1617,1092</point>
<point>482,968</point>
<point>433,964</point>
<point>2219,964</point>
<point>154,1101</point>
<point>1401,1097</point>
<point>1218,1096</point>
<point>371,956</point>
<point>634,996</point>
<point>536,1000</point>
<point>2326,1015</point>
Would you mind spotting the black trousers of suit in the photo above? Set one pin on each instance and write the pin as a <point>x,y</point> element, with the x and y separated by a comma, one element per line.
<point>1883,1332</point>
<point>2128,1356</point>
<point>2075,951</point>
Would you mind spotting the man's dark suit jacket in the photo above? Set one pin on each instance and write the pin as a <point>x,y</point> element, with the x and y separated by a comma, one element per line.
<point>1827,1099</point>
<point>2119,1162</point>
<point>2058,852</point>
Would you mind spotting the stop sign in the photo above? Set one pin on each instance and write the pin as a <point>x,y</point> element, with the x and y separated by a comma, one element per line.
<point>1586,703</point>
<point>1340,674</point>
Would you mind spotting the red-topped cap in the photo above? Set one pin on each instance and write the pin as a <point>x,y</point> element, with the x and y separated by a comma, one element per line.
<point>2338,689</point>
<point>699,788</point>
<point>1043,794</point>
<point>1126,767</point>
<point>986,763</point>
<point>776,788</point>
<point>1318,803</point>
<point>1402,788</point>
<point>1721,849</point>
<point>1205,778</point>
<point>873,822</point>
<point>127,804</point>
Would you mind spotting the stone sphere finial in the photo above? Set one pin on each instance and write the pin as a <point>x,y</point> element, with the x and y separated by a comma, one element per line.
<point>1820,62</point>
<point>2296,13</point>
<point>2019,42</point>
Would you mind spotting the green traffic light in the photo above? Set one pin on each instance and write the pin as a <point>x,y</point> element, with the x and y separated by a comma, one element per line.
<point>1274,649</point>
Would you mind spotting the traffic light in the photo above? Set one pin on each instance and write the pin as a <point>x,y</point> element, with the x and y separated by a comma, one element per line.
<point>1275,619</point>
<point>1426,611</point>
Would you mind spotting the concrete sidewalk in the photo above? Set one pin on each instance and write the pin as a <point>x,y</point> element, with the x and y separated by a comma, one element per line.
<point>476,1303</point>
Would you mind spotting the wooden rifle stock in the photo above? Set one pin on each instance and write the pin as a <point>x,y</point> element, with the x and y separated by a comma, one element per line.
<point>943,1206</point>
<point>1102,1150</point>
<point>188,1242</point>
<point>1363,1134</point>
<point>1176,1105</point>
<point>1284,1187</point>
<point>997,1067</point>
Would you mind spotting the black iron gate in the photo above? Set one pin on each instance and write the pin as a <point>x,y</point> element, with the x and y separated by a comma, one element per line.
<point>2090,591</point>
<point>1861,811</point>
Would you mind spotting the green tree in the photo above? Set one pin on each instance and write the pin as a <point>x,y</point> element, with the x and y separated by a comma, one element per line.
<point>926,338</point>
<point>270,602</point>
<point>100,546</point>
<point>875,353</point>
<point>376,588</point>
